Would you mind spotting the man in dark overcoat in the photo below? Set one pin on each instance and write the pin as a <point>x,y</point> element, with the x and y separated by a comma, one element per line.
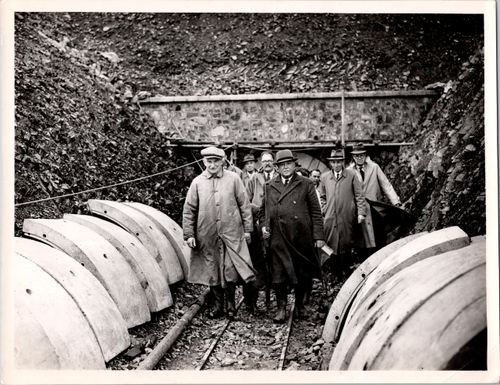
<point>291,219</point>
<point>344,202</point>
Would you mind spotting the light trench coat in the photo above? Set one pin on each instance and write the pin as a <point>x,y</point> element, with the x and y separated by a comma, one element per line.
<point>374,184</point>
<point>217,214</point>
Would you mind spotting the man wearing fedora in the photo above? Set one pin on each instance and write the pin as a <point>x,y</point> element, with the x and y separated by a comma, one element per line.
<point>248,168</point>
<point>344,206</point>
<point>217,222</point>
<point>375,184</point>
<point>291,219</point>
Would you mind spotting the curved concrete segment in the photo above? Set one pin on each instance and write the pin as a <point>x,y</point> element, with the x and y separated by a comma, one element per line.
<point>145,267</point>
<point>50,330</point>
<point>436,242</point>
<point>421,317</point>
<point>143,228</point>
<point>101,258</point>
<point>91,297</point>
<point>170,229</point>
<point>343,300</point>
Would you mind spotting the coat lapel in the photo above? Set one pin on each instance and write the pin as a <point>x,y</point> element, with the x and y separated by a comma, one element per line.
<point>286,189</point>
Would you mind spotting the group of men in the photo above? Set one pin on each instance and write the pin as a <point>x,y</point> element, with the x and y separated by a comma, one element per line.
<point>265,227</point>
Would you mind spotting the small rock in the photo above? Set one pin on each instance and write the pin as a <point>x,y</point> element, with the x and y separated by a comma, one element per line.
<point>319,342</point>
<point>470,148</point>
<point>228,361</point>
<point>133,352</point>
<point>293,366</point>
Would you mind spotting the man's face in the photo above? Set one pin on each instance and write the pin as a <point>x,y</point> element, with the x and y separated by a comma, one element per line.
<point>213,165</point>
<point>250,166</point>
<point>337,164</point>
<point>359,159</point>
<point>286,169</point>
<point>267,162</point>
<point>315,177</point>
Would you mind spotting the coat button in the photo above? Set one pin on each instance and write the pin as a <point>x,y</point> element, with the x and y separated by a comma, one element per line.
<point>294,202</point>
<point>295,216</point>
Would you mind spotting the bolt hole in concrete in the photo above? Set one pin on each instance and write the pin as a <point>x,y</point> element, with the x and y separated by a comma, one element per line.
<point>105,256</point>
<point>71,272</point>
<point>45,235</point>
<point>363,275</point>
<point>105,211</point>
<point>137,234</point>
<point>336,317</point>
<point>83,264</point>
<point>28,291</point>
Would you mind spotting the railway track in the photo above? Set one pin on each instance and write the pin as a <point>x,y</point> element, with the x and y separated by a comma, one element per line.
<point>248,342</point>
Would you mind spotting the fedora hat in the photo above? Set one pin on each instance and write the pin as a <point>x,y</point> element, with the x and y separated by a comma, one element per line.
<point>249,158</point>
<point>358,148</point>
<point>336,155</point>
<point>213,152</point>
<point>284,156</point>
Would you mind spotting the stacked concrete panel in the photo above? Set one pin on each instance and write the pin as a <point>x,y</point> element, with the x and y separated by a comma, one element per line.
<point>418,309</point>
<point>104,277</point>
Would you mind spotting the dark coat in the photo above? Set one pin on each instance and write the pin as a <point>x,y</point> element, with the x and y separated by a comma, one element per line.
<point>293,216</point>
<point>344,201</point>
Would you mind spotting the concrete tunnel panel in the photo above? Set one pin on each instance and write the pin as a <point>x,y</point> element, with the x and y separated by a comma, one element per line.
<point>343,300</point>
<point>420,317</point>
<point>50,317</point>
<point>170,229</point>
<point>145,267</point>
<point>436,242</point>
<point>91,297</point>
<point>101,258</point>
<point>145,230</point>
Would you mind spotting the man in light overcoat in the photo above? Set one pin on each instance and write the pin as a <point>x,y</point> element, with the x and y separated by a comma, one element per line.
<point>375,183</point>
<point>217,222</point>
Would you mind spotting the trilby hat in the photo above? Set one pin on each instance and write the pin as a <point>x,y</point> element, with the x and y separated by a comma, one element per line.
<point>284,156</point>
<point>336,155</point>
<point>358,148</point>
<point>249,158</point>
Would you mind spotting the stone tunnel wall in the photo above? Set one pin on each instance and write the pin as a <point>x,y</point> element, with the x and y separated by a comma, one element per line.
<point>382,115</point>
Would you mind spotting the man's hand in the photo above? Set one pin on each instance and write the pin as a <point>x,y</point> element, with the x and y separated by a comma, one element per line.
<point>265,233</point>
<point>319,243</point>
<point>361,218</point>
<point>191,242</point>
<point>248,237</point>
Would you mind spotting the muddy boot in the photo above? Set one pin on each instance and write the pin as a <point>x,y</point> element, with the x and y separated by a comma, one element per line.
<point>217,310</point>
<point>231,308</point>
<point>281,294</point>
<point>299,311</point>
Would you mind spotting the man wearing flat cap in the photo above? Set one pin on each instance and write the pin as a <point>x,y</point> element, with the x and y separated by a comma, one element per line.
<point>217,222</point>
<point>375,184</point>
<point>248,168</point>
<point>291,219</point>
<point>342,194</point>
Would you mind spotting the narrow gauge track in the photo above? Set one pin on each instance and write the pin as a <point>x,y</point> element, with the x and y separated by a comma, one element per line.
<point>248,342</point>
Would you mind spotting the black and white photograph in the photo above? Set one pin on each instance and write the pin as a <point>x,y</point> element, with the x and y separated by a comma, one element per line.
<point>259,191</point>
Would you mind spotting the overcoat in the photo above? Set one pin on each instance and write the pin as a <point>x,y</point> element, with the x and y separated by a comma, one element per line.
<point>344,201</point>
<point>375,182</point>
<point>217,210</point>
<point>292,214</point>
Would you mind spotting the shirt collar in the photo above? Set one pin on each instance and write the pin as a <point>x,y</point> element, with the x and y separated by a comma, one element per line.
<point>210,176</point>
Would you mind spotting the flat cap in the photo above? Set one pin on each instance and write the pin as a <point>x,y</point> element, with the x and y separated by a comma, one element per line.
<point>213,152</point>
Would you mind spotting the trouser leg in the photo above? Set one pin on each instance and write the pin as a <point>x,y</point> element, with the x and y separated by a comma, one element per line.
<point>218,302</point>
<point>281,298</point>
<point>250,294</point>
<point>299,300</point>
<point>229,291</point>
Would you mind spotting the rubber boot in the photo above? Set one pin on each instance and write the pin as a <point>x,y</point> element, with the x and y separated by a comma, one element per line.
<point>281,294</point>
<point>217,310</point>
<point>299,311</point>
<point>231,308</point>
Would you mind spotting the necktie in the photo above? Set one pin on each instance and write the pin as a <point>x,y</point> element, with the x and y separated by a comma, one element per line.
<point>266,176</point>
<point>338,176</point>
<point>286,181</point>
<point>362,172</point>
